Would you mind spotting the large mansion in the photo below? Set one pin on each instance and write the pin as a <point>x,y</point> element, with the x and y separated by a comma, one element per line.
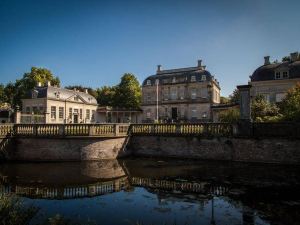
<point>272,80</point>
<point>184,94</point>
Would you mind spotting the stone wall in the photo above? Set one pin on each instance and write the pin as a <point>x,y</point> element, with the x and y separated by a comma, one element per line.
<point>67,149</point>
<point>233,149</point>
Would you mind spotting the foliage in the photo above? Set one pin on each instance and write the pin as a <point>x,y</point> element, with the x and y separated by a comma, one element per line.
<point>290,106</point>
<point>81,88</point>
<point>12,211</point>
<point>128,93</point>
<point>14,92</point>
<point>230,116</point>
<point>263,111</point>
<point>235,96</point>
<point>224,100</point>
<point>106,95</point>
<point>286,58</point>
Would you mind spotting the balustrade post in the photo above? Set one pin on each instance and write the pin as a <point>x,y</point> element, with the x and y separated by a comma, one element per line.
<point>116,130</point>
<point>61,130</point>
<point>178,129</point>
<point>91,130</point>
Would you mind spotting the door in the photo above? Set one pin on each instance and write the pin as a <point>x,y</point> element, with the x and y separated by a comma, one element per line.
<point>174,113</point>
<point>75,119</point>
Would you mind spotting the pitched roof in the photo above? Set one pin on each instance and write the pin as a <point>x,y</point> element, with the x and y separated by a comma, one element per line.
<point>50,92</point>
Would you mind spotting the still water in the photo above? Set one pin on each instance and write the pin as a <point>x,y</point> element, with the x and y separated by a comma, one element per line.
<point>151,191</point>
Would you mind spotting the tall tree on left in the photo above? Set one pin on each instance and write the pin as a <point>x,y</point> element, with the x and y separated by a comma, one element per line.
<point>23,86</point>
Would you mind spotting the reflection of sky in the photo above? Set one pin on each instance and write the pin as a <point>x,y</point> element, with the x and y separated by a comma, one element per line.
<point>140,205</point>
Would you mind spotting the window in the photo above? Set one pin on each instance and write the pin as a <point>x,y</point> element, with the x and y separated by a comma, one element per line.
<point>266,97</point>
<point>61,112</point>
<point>277,75</point>
<point>76,98</point>
<point>203,77</point>
<point>157,82</point>
<point>70,112</point>
<point>87,114</point>
<point>28,109</point>
<point>174,80</point>
<point>148,114</point>
<point>285,74</point>
<point>93,115</point>
<point>148,82</point>
<point>204,115</point>
<point>280,97</point>
<point>53,112</point>
<point>193,78</point>
<point>203,92</point>
<point>34,94</point>
<point>148,97</point>
<point>41,109</point>
<point>193,93</point>
<point>166,94</point>
<point>194,112</point>
<point>181,92</point>
<point>80,114</point>
<point>35,109</point>
<point>174,93</point>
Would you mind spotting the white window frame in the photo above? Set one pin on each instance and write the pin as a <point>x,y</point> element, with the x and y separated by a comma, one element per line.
<point>193,93</point>
<point>193,78</point>
<point>203,77</point>
<point>148,82</point>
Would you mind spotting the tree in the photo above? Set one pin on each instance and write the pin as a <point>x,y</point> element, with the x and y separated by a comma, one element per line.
<point>286,58</point>
<point>263,111</point>
<point>128,93</point>
<point>224,100</point>
<point>15,92</point>
<point>2,94</point>
<point>235,96</point>
<point>106,96</point>
<point>81,88</point>
<point>230,115</point>
<point>290,106</point>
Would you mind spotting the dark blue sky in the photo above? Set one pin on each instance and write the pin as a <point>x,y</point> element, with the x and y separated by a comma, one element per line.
<point>94,42</point>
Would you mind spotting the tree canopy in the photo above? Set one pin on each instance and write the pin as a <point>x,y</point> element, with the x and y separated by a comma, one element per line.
<point>106,95</point>
<point>235,96</point>
<point>128,92</point>
<point>290,106</point>
<point>263,111</point>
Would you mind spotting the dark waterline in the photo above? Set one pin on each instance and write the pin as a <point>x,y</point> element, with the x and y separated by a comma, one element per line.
<point>151,191</point>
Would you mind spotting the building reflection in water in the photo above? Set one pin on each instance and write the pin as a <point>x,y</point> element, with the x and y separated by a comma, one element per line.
<point>167,180</point>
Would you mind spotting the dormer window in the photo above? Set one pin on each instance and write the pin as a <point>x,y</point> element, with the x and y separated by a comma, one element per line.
<point>285,74</point>
<point>193,78</point>
<point>203,77</point>
<point>277,75</point>
<point>174,80</point>
<point>148,82</point>
<point>76,98</point>
<point>34,94</point>
<point>57,95</point>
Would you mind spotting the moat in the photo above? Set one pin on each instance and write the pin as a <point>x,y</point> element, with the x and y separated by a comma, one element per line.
<point>156,191</point>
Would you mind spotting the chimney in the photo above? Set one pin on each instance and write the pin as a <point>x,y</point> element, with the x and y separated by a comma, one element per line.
<point>267,60</point>
<point>39,84</point>
<point>74,89</point>
<point>48,83</point>
<point>86,90</point>
<point>294,56</point>
<point>199,63</point>
<point>158,68</point>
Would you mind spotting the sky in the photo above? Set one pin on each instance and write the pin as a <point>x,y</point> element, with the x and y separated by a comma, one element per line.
<point>93,43</point>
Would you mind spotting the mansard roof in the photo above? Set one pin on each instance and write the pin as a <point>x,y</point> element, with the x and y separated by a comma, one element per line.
<point>267,71</point>
<point>183,74</point>
<point>51,92</point>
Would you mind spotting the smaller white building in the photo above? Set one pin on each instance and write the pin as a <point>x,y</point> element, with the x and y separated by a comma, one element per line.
<point>51,104</point>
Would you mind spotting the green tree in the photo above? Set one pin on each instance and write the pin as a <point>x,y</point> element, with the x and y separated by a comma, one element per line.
<point>10,93</point>
<point>224,100</point>
<point>28,82</point>
<point>263,111</point>
<point>286,58</point>
<point>290,106</point>
<point>2,94</point>
<point>230,115</point>
<point>235,96</point>
<point>106,96</point>
<point>128,92</point>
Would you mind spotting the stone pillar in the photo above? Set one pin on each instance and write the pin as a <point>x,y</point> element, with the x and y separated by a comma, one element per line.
<point>244,127</point>
<point>17,115</point>
<point>245,101</point>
